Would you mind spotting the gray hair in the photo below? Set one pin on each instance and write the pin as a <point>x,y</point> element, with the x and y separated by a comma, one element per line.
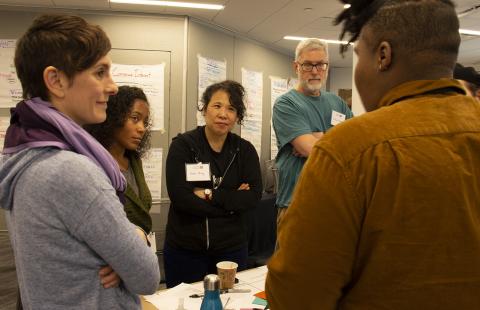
<point>311,44</point>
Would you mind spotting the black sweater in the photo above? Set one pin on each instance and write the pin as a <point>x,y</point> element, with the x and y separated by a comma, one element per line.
<point>217,225</point>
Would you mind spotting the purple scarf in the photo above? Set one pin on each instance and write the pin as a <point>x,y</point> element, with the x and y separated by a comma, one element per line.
<point>36,123</point>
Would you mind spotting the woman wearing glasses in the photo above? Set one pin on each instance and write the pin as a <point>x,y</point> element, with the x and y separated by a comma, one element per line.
<point>213,179</point>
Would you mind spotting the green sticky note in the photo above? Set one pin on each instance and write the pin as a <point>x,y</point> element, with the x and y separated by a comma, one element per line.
<point>259,301</point>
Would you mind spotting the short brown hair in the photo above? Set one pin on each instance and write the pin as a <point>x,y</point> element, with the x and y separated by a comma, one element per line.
<point>66,42</point>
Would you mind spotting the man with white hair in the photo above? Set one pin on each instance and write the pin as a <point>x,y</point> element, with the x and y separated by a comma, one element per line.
<point>386,211</point>
<point>469,78</point>
<point>302,115</point>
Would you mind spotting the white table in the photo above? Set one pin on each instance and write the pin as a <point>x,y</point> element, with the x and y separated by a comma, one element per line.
<point>252,279</point>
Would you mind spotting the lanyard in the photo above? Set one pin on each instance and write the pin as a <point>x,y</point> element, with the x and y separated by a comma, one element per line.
<point>218,181</point>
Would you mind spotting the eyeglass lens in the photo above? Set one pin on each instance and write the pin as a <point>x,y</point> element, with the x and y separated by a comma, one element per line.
<point>320,66</point>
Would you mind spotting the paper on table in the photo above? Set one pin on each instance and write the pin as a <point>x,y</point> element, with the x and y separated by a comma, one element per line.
<point>259,301</point>
<point>254,277</point>
<point>168,299</point>
<point>241,302</point>
<point>261,295</point>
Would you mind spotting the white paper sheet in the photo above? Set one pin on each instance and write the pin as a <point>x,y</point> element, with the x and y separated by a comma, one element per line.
<point>10,87</point>
<point>152,168</point>
<point>252,123</point>
<point>151,78</point>
<point>4,122</point>
<point>210,71</point>
<point>278,87</point>
<point>253,279</point>
<point>169,299</point>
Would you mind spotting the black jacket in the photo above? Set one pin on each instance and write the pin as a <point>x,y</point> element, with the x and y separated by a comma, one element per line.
<point>217,225</point>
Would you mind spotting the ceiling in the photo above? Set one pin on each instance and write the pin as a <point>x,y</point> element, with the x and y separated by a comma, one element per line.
<point>268,21</point>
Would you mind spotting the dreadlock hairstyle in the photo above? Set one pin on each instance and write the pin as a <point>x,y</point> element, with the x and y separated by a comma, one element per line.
<point>355,17</point>
<point>412,25</point>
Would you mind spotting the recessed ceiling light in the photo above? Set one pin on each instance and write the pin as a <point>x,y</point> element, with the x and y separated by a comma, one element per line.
<point>296,38</point>
<point>304,38</point>
<point>347,6</point>
<point>173,4</point>
<point>469,32</point>
<point>308,9</point>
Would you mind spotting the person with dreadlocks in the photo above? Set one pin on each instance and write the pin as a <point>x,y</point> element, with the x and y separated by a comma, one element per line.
<point>386,212</point>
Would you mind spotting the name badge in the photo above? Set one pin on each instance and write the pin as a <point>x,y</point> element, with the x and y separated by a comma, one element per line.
<point>337,118</point>
<point>197,172</point>
<point>153,241</point>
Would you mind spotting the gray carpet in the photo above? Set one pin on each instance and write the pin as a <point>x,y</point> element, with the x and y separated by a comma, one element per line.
<point>8,278</point>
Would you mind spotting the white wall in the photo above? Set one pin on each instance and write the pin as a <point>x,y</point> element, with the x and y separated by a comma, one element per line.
<point>343,78</point>
<point>357,106</point>
<point>340,78</point>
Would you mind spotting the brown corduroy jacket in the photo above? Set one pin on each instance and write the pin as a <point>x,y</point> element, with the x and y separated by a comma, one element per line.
<point>386,214</point>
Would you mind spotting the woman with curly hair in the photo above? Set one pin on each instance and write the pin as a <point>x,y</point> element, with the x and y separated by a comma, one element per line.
<point>126,135</point>
<point>206,220</point>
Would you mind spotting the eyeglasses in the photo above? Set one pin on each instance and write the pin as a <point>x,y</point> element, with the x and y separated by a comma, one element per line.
<point>307,67</point>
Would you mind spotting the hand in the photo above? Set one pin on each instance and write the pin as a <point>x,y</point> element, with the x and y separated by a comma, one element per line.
<point>296,153</point>
<point>108,277</point>
<point>244,187</point>
<point>318,134</point>
<point>200,192</point>
<point>142,234</point>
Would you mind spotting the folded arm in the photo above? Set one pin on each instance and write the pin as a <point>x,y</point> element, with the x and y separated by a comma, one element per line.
<point>106,229</point>
<point>302,145</point>
<point>249,191</point>
<point>181,192</point>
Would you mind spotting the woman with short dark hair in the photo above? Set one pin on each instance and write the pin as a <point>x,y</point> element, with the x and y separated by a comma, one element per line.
<point>213,179</point>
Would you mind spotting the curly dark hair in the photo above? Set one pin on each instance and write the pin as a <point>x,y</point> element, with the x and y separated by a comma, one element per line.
<point>415,26</point>
<point>118,110</point>
<point>66,42</point>
<point>235,91</point>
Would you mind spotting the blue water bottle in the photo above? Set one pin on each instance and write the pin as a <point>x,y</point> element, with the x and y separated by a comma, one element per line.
<point>211,298</point>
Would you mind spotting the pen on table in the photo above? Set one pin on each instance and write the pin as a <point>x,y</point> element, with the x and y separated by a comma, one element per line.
<point>232,290</point>
<point>236,290</point>
<point>225,305</point>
